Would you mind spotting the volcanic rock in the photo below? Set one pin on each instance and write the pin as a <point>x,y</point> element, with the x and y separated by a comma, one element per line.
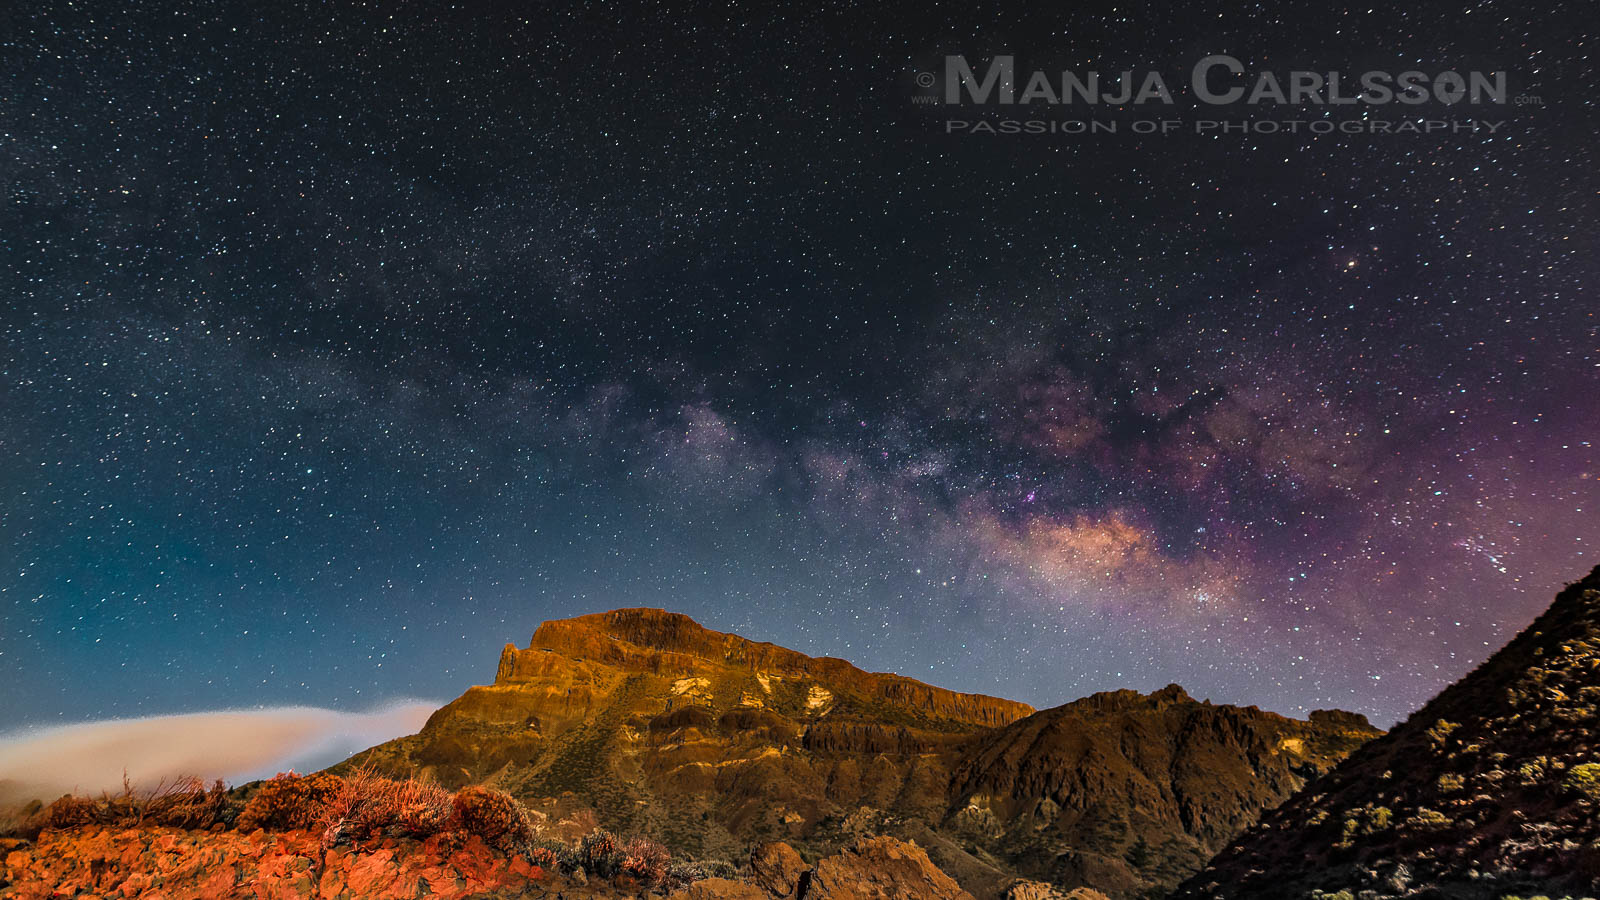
<point>776,868</point>
<point>879,868</point>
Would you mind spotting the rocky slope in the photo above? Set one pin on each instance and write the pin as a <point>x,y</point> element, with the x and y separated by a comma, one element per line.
<point>1491,789</point>
<point>177,864</point>
<point>712,743</point>
<point>1130,793</point>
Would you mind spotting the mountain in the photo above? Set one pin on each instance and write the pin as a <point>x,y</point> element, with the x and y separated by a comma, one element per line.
<point>1491,789</point>
<point>713,743</point>
<point>1129,793</point>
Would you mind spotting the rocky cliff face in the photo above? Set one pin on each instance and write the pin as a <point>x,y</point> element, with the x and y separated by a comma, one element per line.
<point>1491,789</point>
<point>713,742</point>
<point>671,644</point>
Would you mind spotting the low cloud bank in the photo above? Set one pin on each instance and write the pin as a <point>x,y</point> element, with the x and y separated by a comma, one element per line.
<point>234,745</point>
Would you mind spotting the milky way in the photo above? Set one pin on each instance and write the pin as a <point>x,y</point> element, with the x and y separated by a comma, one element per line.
<point>342,347</point>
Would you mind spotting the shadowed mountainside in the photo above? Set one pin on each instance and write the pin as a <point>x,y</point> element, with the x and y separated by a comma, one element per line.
<point>1492,788</point>
<point>1130,793</point>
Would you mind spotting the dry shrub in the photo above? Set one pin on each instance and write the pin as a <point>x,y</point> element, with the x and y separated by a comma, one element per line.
<point>685,872</point>
<point>289,801</point>
<point>645,860</point>
<point>71,811</point>
<point>175,803</point>
<point>361,805</point>
<point>493,815</point>
<point>184,803</point>
<point>367,803</point>
<point>544,857</point>
<point>423,808</point>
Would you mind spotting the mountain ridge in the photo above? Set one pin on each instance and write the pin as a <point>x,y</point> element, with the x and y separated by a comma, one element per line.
<point>659,640</point>
<point>713,742</point>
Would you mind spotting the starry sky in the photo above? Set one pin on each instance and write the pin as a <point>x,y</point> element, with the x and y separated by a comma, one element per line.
<point>341,344</point>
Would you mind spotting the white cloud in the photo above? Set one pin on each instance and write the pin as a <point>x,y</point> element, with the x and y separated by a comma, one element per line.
<point>235,745</point>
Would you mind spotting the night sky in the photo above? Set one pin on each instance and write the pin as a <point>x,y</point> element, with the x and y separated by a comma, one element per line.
<point>342,344</point>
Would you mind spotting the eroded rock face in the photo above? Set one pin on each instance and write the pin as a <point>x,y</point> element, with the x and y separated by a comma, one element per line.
<point>1492,789</point>
<point>664,643</point>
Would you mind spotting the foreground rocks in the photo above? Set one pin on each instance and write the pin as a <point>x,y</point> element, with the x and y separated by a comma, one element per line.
<point>172,864</point>
<point>176,865</point>
<point>776,868</point>
<point>875,868</point>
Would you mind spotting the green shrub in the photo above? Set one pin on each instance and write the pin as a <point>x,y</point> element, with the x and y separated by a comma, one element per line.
<point>1429,820</point>
<point>1533,771</point>
<point>1363,820</point>
<point>1441,731</point>
<point>718,868</point>
<point>684,872</point>
<point>1585,780</point>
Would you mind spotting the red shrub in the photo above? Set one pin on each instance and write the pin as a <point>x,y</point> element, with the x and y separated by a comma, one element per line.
<point>367,803</point>
<point>645,860</point>
<point>422,809</point>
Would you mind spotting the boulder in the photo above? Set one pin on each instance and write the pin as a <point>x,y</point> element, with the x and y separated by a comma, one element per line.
<point>879,868</point>
<point>776,868</point>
